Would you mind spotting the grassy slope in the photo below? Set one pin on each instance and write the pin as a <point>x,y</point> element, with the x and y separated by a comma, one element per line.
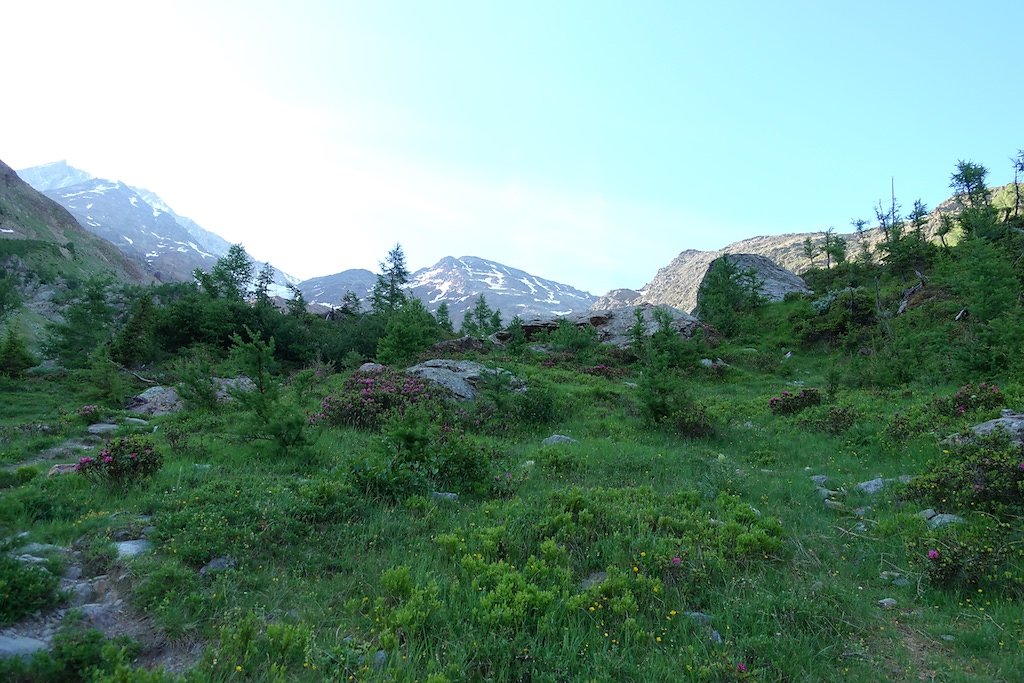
<point>311,552</point>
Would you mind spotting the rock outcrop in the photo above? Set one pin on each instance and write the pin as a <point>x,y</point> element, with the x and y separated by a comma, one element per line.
<point>776,281</point>
<point>462,378</point>
<point>612,326</point>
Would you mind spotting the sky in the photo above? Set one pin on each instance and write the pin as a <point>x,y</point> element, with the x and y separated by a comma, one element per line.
<point>586,142</point>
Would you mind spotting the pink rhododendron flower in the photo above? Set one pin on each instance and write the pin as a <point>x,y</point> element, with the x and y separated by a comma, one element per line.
<point>933,554</point>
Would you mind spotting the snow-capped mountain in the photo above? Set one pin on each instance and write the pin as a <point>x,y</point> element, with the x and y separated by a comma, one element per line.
<point>459,281</point>
<point>329,289</point>
<point>138,222</point>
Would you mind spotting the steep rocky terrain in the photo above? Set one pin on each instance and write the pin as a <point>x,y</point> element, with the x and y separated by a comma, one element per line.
<point>137,221</point>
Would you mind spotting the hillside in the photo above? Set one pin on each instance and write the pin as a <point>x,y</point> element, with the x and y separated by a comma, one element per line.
<point>676,283</point>
<point>44,249</point>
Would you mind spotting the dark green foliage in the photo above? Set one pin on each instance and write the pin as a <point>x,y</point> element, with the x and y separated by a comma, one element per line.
<point>264,280</point>
<point>579,341</point>
<point>230,277</point>
<point>15,357</point>
<point>24,588</point>
<point>666,403</point>
<point>10,299</point>
<point>268,416</point>
<point>134,344</point>
<point>410,330</point>
<point>104,381</point>
<point>516,343</point>
<point>443,318</point>
<point>480,321</point>
<point>388,295</point>
<point>726,295</point>
<point>88,322</point>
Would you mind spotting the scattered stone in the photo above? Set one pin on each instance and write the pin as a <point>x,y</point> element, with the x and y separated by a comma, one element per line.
<point>613,324</point>
<point>218,564</point>
<point>202,467</point>
<point>888,576</point>
<point>80,593</point>
<point>948,638</point>
<point>73,572</point>
<point>927,514</point>
<point>871,487</point>
<point>887,603</point>
<point>828,493</point>
<point>62,468</point>
<point>699,617</point>
<point>36,548</point>
<point>137,421</point>
<point>147,530</point>
<point>944,519</point>
<point>834,505</point>
<point>380,659</point>
<point>631,385</point>
<point>1010,421</point>
<point>123,535</point>
<point>557,438</point>
<point>860,528</point>
<point>100,615</point>
<point>101,428</point>
<point>19,646</point>
<point>593,580</point>
<point>716,364</point>
<point>156,401</point>
<point>819,479</point>
<point>460,345</point>
<point>30,559</point>
<point>133,548</point>
<point>445,496</point>
<point>371,367</point>
<point>862,510</point>
<point>716,637</point>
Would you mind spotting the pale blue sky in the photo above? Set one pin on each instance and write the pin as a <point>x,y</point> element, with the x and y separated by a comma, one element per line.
<point>587,142</point>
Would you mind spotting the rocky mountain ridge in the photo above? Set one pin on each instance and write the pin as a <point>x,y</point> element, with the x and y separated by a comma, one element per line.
<point>137,221</point>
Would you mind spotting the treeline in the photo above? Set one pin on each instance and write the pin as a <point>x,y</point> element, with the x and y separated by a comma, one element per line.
<point>107,322</point>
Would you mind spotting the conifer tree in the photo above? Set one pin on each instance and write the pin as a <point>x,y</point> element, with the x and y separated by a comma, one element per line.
<point>388,295</point>
<point>444,320</point>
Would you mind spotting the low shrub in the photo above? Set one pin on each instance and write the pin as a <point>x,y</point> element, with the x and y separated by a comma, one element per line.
<point>666,403</point>
<point>24,589</point>
<point>830,419</point>
<point>788,403</point>
<point>969,398</point>
<point>367,400</point>
<point>981,552</point>
<point>124,460</point>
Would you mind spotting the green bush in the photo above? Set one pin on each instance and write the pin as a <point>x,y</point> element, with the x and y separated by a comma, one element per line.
<point>831,419</point>
<point>25,589</point>
<point>666,403</point>
<point>368,399</point>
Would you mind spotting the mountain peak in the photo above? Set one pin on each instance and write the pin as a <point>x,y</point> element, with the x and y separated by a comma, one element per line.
<point>54,176</point>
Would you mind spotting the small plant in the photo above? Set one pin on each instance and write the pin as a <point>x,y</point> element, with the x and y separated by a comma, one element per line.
<point>24,589</point>
<point>125,460</point>
<point>831,419</point>
<point>666,403</point>
<point>89,413</point>
<point>788,403</point>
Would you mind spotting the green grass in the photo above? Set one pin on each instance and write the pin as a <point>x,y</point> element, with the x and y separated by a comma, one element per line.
<point>489,587</point>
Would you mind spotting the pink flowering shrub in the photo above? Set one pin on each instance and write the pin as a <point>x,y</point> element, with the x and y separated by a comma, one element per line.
<point>122,461</point>
<point>969,398</point>
<point>367,400</point>
<point>788,403</point>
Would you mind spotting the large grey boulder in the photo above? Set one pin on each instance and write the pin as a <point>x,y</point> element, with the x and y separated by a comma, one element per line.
<point>156,401</point>
<point>1010,421</point>
<point>776,281</point>
<point>462,378</point>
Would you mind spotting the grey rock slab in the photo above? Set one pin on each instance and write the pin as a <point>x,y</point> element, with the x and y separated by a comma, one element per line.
<point>834,505</point>
<point>156,401</point>
<point>944,519</point>
<point>36,548</point>
<point>887,603</point>
<point>133,548</point>
<point>871,486</point>
<point>219,564</point>
<point>462,378</point>
<point>716,637</point>
<point>819,479</point>
<point>927,514</point>
<point>556,439</point>
<point>135,421</point>
<point>101,428</point>
<point>1010,421</point>
<point>30,559</point>
<point>147,530</point>
<point>73,572</point>
<point>444,496</point>
<point>699,617</point>
<point>593,580</point>
<point>19,646</point>
<point>372,367</point>
<point>827,493</point>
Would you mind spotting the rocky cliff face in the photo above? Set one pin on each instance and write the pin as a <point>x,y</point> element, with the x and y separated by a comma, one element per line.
<point>776,282</point>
